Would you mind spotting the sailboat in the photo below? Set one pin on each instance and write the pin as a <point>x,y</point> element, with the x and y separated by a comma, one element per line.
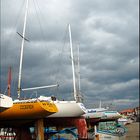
<point>30,108</point>
<point>102,113</point>
<point>6,101</point>
<point>70,108</point>
<point>108,126</point>
<point>95,113</point>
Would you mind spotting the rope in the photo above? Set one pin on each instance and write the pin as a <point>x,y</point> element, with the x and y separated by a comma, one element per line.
<point>10,39</point>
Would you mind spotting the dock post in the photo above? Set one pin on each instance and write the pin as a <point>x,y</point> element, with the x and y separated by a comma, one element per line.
<point>97,137</point>
<point>96,134</point>
<point>22,133</point>
<point>39,129</point>
<point>81,125</point>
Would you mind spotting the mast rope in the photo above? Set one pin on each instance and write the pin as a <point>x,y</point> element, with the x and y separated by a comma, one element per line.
<point>36,6</point>
<point>38,10</point>
<point>7,44</point>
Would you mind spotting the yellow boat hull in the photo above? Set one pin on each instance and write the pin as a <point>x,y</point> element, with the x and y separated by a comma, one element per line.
<point>29,110</point>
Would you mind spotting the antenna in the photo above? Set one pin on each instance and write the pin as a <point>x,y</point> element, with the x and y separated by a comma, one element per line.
<point>21,54</point>
<point>72,61</point>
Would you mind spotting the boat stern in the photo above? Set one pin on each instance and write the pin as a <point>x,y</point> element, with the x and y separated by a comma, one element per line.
<point>49,106</point>
<point>83,109</point>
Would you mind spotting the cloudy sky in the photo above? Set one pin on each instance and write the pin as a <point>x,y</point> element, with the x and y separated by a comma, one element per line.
<point>106,32</point>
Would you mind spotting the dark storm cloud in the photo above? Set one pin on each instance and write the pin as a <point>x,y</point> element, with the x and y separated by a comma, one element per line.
<point>107,32</point>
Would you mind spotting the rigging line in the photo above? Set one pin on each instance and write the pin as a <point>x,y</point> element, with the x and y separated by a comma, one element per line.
<point>40,25</point>
<point>58,78</point>
<point>19,17</point>
<point>37,6</point>
<point>9,40</point>
<point>20,13</point>
<point>36,11</point>
<point>62,50</point>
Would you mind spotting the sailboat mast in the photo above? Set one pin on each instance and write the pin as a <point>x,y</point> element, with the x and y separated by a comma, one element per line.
<point>100,105</point>
<point>9,81</point>
<point>21,53</point>
<point>79,97</point>
<point>79,71</point>
<point>72,61</point>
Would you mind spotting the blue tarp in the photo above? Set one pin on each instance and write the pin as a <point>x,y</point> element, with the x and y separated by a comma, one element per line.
<point>64,131</point>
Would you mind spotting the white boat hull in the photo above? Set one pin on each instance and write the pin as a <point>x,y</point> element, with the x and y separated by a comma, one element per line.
<point>69,109</point>
<point>5,101</point>
<point>94,115</point>
<point>111,115</point>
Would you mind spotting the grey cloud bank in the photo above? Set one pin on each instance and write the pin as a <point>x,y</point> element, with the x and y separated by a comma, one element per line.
<point>108,35</point>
